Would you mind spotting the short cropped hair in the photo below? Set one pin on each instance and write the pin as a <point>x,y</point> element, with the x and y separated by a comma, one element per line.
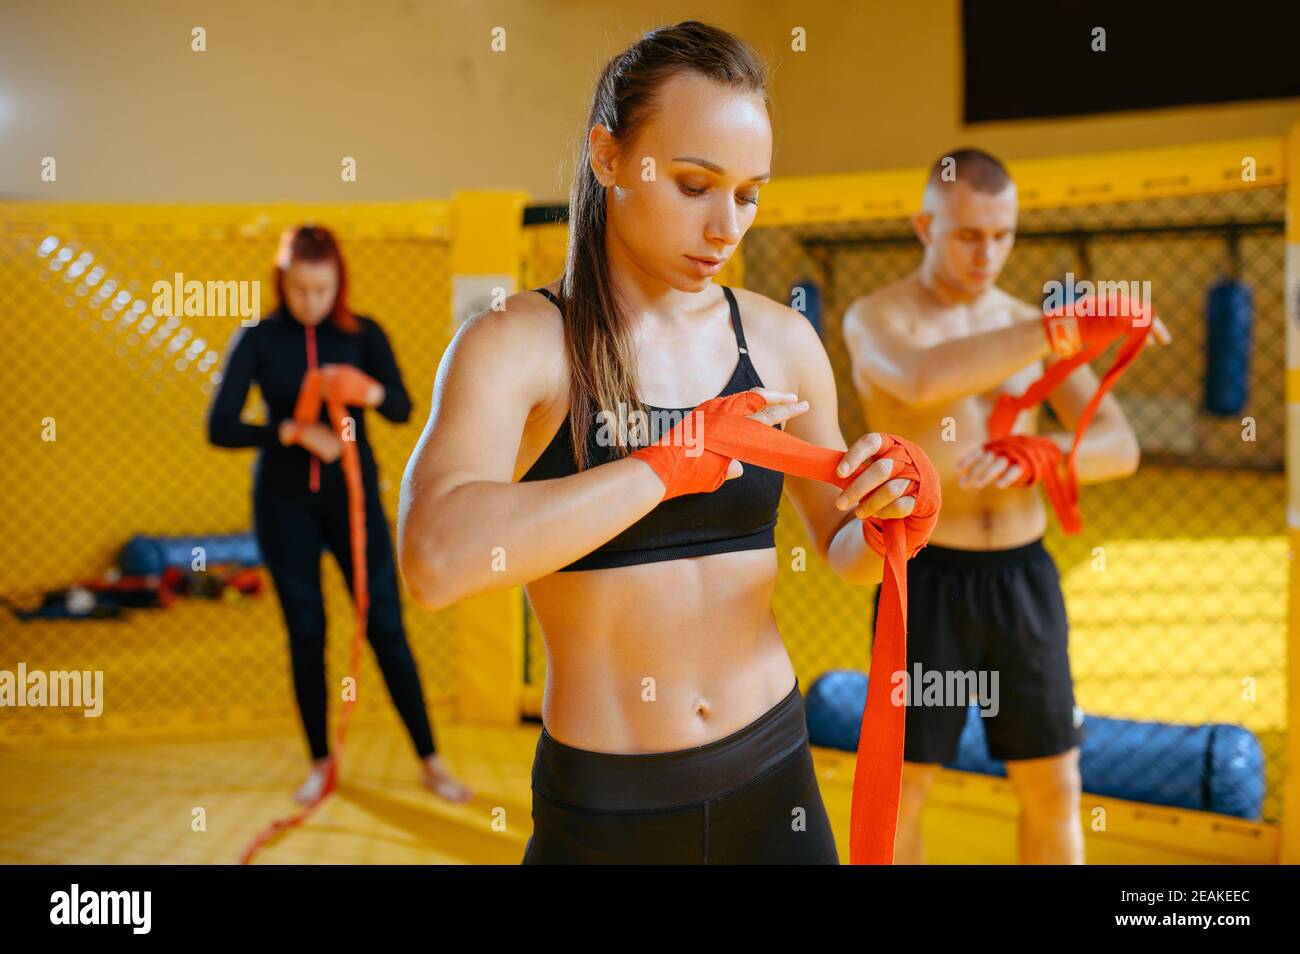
<point>979,170</point>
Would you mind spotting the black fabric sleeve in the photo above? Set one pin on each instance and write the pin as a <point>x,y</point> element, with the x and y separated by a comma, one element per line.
<point>225,429</point>
<point>381,365</point>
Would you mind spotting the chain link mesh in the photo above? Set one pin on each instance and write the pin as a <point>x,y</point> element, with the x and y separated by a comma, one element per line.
<point>1192,609</point>
<point>1188,625</point>
<point>128,395</point>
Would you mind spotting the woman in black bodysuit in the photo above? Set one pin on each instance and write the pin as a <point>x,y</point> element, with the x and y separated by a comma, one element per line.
<point>299,493</point>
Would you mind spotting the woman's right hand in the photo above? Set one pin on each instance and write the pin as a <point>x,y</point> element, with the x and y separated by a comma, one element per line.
<point>686,467</point>
<point>316,437</point>
<point>781,407</point>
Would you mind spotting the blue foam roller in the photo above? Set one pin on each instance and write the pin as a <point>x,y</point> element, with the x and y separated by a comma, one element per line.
<point>1213,767</point>
<point>834,704</point>
<point>143,555</point>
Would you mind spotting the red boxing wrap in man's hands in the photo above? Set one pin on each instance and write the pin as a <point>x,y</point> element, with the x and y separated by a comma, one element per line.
<point>1092,320</point>
<point>1078,333</point>
<point>1037,457</point>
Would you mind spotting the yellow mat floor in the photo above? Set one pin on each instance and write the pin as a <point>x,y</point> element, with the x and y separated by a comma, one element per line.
<point>201,802</point>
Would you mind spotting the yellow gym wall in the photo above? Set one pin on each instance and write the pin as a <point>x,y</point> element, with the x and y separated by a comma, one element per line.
<point>412,91</point>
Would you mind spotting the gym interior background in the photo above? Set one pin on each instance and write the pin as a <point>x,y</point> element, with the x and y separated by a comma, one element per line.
<point>1186,650</point>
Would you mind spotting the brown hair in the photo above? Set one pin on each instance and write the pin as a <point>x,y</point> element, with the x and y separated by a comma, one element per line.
<point>597,335</point>
<point>311,243</point>
<point>975,167</point>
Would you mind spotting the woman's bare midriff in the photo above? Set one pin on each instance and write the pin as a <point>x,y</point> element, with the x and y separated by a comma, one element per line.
<point>661,656</point>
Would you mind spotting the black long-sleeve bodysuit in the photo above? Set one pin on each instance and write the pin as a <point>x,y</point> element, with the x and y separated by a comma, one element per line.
<point>294,522</point>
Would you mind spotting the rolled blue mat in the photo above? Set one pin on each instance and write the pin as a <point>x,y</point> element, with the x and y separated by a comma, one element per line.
<point>1213,767</point>
<point>144,555</point>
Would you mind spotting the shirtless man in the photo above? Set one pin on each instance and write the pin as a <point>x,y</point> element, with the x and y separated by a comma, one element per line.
<point>930,355</point>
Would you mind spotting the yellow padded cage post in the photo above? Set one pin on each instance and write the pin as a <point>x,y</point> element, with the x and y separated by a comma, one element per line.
<point>486,250</point>
<point>1291,791</point>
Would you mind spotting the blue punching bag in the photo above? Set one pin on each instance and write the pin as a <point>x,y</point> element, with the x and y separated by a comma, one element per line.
<point>1229,319</point>
<point>806,297</point>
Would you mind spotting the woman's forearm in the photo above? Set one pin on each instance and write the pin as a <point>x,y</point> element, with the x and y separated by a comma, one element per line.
<point>483,535</point>
<point>852,559</point>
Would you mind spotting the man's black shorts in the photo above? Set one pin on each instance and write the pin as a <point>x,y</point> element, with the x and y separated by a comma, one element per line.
<point>986,611</point>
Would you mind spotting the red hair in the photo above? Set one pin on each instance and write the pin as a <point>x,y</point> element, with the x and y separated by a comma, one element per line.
<point>311,243</point>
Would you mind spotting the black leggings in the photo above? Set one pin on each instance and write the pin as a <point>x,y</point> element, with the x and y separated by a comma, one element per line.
<point>748,798</point>
<point>291,529</point>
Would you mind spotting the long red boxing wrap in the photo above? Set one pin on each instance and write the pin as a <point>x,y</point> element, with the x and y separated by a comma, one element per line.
<point>728,432</point>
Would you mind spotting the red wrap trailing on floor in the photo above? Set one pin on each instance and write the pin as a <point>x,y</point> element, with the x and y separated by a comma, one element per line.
<point>335,390</point>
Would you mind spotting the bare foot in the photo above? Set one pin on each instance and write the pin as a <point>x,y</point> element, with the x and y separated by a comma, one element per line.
<point>436,778</point>
<point>312,789</point>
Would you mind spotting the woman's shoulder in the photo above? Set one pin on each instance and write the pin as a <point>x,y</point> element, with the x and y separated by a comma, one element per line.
<point>524,321</point>
<point>525,335</point>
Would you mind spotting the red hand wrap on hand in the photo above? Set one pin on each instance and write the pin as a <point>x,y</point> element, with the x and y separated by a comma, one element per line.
<point>1092,321</point>
<point>1083,330</point>
<point>729,432</point>
<point>1038,457</point>
<point>348,385</point>
<point>1040,460</point>
<point>680,458</point>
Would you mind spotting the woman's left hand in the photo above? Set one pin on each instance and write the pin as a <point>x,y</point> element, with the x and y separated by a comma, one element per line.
<point>873,493</point>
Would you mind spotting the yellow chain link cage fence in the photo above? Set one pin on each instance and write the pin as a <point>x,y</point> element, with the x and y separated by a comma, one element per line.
<point>1189,614</point>
<point>1177,588</point>
<point>124,395</point>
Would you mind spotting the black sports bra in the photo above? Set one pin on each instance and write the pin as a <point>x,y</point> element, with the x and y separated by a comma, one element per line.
<point>739,515</point>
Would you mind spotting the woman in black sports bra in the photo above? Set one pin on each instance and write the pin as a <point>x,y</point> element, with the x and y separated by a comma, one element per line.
<point>674,728</point>
<point>739,515</point>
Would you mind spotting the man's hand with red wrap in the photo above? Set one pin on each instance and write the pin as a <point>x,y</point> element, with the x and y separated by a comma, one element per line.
<point>1097,319</point>
<point>1021,460</point>
<point>1077,333</point>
